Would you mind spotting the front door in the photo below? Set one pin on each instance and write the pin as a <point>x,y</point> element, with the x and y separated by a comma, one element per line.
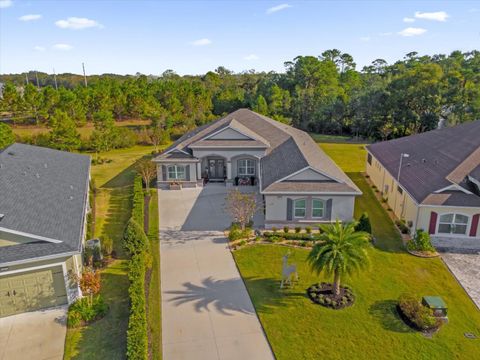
<point>216,169</point>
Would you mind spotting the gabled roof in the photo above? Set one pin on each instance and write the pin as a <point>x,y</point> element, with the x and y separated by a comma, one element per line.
<point>43,197</point>
<point>437,159</point>
<point>288,149</point>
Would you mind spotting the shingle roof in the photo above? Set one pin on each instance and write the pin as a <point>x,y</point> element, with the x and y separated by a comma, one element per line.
<point>229,143</point>
<point>436,159</point>
<point>289,150</point>
<point>43,193</point>
<point>475,173</point>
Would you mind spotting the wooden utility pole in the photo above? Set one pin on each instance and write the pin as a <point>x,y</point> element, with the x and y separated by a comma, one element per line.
<point>55,79</point>
<point>84,76</point>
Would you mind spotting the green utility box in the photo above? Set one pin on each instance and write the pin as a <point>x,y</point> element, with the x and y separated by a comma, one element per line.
<point>437,304</point>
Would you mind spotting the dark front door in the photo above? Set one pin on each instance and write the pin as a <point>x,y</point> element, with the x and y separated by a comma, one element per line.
<point>216,169</point>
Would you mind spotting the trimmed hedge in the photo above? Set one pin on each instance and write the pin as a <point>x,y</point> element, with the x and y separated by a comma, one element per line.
<point>138,200</point>
<point>137,338</point>
<point>291,236</point>
<point>135,240</point>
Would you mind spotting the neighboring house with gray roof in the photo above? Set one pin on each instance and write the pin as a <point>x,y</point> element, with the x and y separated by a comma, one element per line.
<point>299,182</point>
<point>43,208</point>
<point>436,186</point>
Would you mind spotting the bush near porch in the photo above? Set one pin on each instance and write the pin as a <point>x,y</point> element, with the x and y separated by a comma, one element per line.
<point>371,328</point>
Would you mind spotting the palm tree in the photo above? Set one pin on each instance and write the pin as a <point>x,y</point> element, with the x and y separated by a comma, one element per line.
<point>341,250</point>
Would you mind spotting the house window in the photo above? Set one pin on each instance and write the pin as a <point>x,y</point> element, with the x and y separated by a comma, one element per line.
<point>246,167</point>
<point>176,172</point>
<point>299,208</point>
<point>399,189</point>
<point>369,158</point>
<point>453,224</point>
<point>318,208</point>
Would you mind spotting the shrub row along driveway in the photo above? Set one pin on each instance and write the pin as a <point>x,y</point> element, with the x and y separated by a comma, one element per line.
<point>206,310</point>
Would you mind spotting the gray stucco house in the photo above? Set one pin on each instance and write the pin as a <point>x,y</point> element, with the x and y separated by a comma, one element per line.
<point>299,183</point>
<point>432,181</point>
<point>43,208</point>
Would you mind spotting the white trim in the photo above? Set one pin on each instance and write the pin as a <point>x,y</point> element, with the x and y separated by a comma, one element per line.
<point>33,268</point>
<point>38,237</point>
<point>309,168</point>
<point>223,129</point>
<point>453,187</point>
<point>228,147</point>
<point>173,149</point>
<point>179,161</point>
<point>309,193</point>
<point>41,258</point>
<point>323,208</point>
<point>448,206</point>
<point>294,208</point>
<point>475,181</point>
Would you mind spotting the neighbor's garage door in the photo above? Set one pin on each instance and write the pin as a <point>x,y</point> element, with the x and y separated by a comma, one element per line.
<point>32,290</point>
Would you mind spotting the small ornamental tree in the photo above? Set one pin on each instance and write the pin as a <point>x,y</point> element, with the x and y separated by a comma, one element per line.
<point>89,282</point>
<point>134,239</point>
<point>241,206</point>
<point>147,169</point>
<point>364,224</point>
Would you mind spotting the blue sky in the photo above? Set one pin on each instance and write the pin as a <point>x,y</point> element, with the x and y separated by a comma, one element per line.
<point>193,37</point>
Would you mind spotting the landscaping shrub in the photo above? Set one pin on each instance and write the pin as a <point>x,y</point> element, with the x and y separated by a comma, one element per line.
<point>137,338</point>
<point>420,316</point>
<point>291,236</point>
<point>83,311</point>
<point>298,229</point>
<point>107,245</point>
<point>420,242</point>
<point>274,229</point>
<point>138,200</point>
<point>237,233</point>
<point>286,229</point>
<point>308,229</point>
<point>364,224</point>
<point>134,238</point>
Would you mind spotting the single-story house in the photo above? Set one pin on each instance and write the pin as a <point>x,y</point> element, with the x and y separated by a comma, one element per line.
<point>432,180</point>
<point>300,184</point>
<point>43,208</point>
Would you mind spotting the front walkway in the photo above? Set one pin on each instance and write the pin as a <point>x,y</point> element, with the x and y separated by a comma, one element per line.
<point>206,310</point>
<point>466,268</point>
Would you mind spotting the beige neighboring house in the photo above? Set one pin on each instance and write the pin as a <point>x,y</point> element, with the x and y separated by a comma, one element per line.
<point>299,183</point>
<point>432,181</point>
<point>43,208</point>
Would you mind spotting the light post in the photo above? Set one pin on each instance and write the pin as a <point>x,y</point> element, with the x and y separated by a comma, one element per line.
<point>402,155</point>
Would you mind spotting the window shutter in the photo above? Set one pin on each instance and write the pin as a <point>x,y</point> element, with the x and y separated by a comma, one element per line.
<point>433,223</point>
<point>289,209</point>
<point>328,212</point>
<point>164,173</point>
<point>474,227</point>
<point>187,172</point>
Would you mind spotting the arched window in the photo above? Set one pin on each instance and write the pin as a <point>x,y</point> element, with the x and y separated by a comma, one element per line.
<point>318,208</point>
<point>246,167</point>
<point>453,224</point>
<point>299,208</point>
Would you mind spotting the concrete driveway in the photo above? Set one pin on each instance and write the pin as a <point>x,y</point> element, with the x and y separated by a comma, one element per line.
<point>206,310</point>
<point>38,335</point>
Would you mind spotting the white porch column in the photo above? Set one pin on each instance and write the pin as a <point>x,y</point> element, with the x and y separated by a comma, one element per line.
<point>229,169</point>
<point>199,170</point>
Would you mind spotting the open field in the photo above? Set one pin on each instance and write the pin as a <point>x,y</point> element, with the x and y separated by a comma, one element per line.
<point>85,131</point>
<point>106,338</point>
<point>371,328</point>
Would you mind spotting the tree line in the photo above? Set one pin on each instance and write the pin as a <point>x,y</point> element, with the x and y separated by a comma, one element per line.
<point>323,94</point>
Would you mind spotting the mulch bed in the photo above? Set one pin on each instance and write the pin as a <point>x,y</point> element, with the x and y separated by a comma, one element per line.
<point>411,324</point>
<point>423,254</point>
<point>322,294</point>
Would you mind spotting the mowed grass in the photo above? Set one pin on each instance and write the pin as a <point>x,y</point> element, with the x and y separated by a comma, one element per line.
<point>371,328</point>
<point>106,338</point>
<point>350,157</point>
<point>154,316</point>
<point>85,131</point>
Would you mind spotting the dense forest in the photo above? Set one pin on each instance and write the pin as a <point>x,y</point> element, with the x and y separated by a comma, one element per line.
<point>324,94</point>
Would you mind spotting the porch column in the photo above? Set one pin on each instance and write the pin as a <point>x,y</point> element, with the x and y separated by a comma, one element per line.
<point>199,170</point>
<point>229,169</point>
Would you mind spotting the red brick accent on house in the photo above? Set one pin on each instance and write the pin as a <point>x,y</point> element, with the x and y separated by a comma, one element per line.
<point>433,223</point>
<point>474,227</point>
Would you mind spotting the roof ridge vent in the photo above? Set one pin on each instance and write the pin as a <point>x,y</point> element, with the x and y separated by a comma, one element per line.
<point>37,175</point>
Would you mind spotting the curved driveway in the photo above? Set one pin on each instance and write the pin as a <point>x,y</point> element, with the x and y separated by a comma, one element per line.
<point>206,310</point>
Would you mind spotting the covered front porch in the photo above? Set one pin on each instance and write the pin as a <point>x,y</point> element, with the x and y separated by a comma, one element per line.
<point>239,169</point>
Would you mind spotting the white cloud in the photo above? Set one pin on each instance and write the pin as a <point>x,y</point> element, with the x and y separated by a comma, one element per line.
<point>365,38</point>
<point>64,47</point>
<point>411,31</point>
<point>5,3</point>
<point>408,19</point>
<point>76,23</point>
<point>251,57</point>
<point>277,8</point>
<point>39,48</point>
<point>30,17</point>
<point>201,42</point>
<point>435,16</point>
<point>473,10</point>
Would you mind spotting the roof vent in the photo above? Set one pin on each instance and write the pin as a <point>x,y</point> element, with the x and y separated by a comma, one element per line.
<point>45,165</point>
<point>424,160</point>
<point>37,175</point>
<point>70,197</point>
<point>71,187</point>
<point>11,153</point>
<point>2,216</point>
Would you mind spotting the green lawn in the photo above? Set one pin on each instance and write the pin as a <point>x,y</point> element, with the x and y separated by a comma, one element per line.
<point>371,329</point>
<point>154,316</point>
<point>106,339</point>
